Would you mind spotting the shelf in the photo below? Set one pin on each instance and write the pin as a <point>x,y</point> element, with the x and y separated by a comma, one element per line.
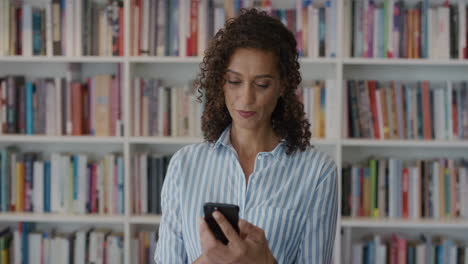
<point>398,223</point>
<point>59,139</point>
<point>405,143</point>
<point>165,59</point>
<point>66,218</point>
<point>165,140</point>
<point>145,219</point>
<point>427,62</point>
<point>67,59</point>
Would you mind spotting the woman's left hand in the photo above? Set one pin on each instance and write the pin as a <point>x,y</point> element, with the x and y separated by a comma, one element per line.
<point>250,246</point>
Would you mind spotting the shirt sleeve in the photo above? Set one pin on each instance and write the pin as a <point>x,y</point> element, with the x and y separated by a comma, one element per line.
<point>170,247</point>
<point>320,227</point>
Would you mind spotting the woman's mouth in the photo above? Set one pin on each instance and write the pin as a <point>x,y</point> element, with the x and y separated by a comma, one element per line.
<point>246,114</point>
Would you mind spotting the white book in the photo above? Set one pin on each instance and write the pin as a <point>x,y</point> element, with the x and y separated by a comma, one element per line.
<point>421,254</point>
<point>65,250</point>
<point>463,192</point>
<point>38,191</point>
<point>78,17</point>
<point>27,31</point>
<point>34,247</point>
<point>144,182</point>
<point>68,28</point>
<point>145,109</point>
<point>192,116</point>
<point>17,242</point>
<point>393,195</point>
<point>135,30</point>
<point>66,190</point>
<point>145,28</point>
<point>183,22</point>
<point>202,26</point>
<point>136,109</point>
<point>46,249</point>
<point>102,33</point>
<point>443,35</point>
<point>331,110</point>
<point>462,45</point>
<point>174,112</point>
<point>219,19</point>
<point>80,247</point>
<point>49,29</point>
<point>432,29</point>
<point>134,249</point>
<point>376,39</point>
<point>315,33</point>
<point>161,28</point>
<point>357,253</point>
<point>83,186</point>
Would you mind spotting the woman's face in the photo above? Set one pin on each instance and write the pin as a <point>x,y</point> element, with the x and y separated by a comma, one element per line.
<point>252,87</point>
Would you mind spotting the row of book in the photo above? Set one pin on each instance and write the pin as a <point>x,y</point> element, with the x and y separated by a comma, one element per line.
<point>28,245</point>
<point>394,248</point>
<point>161,110</point>
<point>143,247</point>
<point>407,109</point>
<point>184,28</point>
<point>320,108</point>
<point>394,188</point>
<point>149,171</point>
<point>400,29</point>
<point>61,28</point>
<point>61,106</point>
<point>64,183</point>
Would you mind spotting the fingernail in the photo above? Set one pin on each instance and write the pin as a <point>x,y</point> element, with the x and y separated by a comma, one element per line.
<point>216,214</point>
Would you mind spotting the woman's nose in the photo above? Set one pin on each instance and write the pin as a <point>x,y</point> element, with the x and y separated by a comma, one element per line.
<point>248,94</point>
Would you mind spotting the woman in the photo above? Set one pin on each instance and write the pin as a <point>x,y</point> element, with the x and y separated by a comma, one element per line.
<point>257,155</point>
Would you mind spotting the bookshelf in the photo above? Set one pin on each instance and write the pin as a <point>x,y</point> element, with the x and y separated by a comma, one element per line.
<point>176,70</point>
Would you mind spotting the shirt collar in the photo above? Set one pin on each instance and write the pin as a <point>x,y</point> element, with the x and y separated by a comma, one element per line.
<point>225,140</point>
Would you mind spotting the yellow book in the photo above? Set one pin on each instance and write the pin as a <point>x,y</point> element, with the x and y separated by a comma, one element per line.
<point>19,187</point>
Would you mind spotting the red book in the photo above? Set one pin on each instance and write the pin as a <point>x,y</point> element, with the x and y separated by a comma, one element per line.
<point>405,188</point>
<point>426,111</point>
<point>140,21</point>
<point>194,28</point>
<point>77,109</point>
<point>372,87</point>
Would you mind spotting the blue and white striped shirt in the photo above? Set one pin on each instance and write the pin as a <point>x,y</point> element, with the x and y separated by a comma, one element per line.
<point>292,198</point>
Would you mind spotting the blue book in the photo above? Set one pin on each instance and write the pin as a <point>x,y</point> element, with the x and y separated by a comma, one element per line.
<point>47,187</point>
<point>37,36</point>
<point>29,108</point>
<point>120,182</point>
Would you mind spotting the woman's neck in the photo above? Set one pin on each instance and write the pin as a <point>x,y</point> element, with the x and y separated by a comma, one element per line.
<point>249,142</point>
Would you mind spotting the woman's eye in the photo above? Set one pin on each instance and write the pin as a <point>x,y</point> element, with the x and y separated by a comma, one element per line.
<point>234,82</point>
<point>263,85</point>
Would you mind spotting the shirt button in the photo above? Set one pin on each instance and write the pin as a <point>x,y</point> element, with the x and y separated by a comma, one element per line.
<point>259,157</point>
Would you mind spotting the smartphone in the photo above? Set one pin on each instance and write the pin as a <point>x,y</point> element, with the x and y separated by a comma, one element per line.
<point>230,212</point>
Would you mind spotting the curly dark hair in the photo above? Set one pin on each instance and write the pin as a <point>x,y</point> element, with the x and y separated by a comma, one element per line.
<point>254,29</point>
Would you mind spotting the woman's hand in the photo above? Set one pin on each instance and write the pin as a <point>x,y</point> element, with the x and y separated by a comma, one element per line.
<point>250,246</point>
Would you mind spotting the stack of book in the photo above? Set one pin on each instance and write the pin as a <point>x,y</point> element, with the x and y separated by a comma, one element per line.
<point>61,28</point>
<point>65,183</point>
<point>403,29</point>
<point>149,171</point>
<point>161,110</point>
<point>143,247</point>
<point>407,109</point>
<point>394,188</point>
<point>184,28</point>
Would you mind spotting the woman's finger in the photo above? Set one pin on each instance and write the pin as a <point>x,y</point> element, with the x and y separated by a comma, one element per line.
<point>227,228</point>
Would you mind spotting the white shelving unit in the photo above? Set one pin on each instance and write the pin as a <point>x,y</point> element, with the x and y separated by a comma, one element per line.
<point>176,70</point>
